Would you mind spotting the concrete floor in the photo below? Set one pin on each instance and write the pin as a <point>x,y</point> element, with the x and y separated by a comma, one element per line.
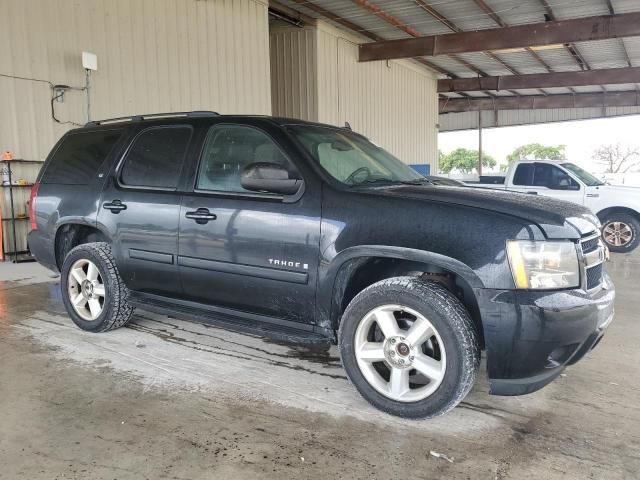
<point>165,398</point>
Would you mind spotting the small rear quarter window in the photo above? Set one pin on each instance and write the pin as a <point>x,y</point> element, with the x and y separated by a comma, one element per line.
<point>524,174</point>
<point>79,156</point>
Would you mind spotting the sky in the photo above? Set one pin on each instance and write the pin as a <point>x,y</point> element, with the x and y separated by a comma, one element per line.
<point>581,137</point>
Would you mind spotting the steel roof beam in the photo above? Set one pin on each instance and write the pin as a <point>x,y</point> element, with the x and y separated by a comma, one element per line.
<point>453,27</point>
<point>520,36</point>
<point>496,18</point>
<point>392,20</point>
<point>356,28</point>
<point>610,76</point>
<point>532,102</point>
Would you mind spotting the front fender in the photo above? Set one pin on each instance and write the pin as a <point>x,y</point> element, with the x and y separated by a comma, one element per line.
<point>333,277</point>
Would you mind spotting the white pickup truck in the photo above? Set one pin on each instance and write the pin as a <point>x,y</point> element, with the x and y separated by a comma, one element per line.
<point>618,208</point>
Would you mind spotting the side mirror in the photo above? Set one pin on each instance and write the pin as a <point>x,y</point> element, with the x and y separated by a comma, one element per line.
<point>269,177</point>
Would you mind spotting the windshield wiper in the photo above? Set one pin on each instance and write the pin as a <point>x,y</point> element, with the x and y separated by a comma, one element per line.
<point>370,181</point>
<point>373,181</point>
<point>417,181</point>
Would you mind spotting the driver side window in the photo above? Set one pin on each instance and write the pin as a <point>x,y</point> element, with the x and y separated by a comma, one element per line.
<point>550,176</point>
<point>228,150</point>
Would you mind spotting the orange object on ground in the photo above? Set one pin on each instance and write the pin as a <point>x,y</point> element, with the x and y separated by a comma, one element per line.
<point>7,155</point>
<point>1,240</point>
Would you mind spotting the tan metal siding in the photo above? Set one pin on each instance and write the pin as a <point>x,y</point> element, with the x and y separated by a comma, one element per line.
<point>393,103</point>
<point>160,55</point>
<point>294,91</point>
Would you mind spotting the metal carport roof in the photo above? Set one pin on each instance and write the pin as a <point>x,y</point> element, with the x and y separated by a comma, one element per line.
<point>596,94</point>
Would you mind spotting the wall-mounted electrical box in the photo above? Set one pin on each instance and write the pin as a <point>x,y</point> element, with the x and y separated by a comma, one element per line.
<point>89,61</point>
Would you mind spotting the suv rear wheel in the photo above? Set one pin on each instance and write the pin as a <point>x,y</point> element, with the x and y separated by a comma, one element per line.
<point>409,347</point>
<point>93,292</point>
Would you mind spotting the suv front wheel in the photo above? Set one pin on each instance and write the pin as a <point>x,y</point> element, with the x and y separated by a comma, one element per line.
<point>409,347</point>
<point>93,292</point>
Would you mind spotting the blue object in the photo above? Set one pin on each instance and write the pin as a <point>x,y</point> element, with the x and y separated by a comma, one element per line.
<point>422,168</point>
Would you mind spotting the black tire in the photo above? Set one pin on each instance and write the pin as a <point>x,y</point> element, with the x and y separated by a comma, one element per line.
<point>116,312</point>
<point>454,325</point>
<point>633,224</point>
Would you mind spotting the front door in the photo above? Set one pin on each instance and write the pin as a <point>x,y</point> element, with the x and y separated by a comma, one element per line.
<point>140,206</point>
<point>248,251</point>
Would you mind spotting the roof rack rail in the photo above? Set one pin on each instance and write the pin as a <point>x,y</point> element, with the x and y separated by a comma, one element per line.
<point>149,116</point>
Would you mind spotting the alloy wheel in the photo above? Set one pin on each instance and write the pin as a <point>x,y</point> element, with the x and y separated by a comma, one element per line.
<point>400,353</point>
<point>617,234</point>
<point>86,289</point>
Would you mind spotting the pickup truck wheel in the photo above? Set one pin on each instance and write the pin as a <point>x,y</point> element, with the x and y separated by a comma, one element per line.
<point>620,232</point>
<point>92,290</point>
<point>409,347</point>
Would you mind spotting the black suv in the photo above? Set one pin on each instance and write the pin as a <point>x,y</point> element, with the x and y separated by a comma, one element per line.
<point>311,233</point>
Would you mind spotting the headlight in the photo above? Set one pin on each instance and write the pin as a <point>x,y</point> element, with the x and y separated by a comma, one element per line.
<point>543,265</point>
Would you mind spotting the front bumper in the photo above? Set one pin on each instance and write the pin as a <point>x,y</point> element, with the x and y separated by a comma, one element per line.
<point>530,337</point>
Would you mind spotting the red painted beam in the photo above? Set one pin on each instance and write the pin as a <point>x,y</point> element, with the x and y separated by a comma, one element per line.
<point>580,100</point>
<point>519,36</point>
<point>610,76</point>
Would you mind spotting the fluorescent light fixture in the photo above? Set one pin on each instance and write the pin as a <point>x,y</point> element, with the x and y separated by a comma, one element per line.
<point>553,46</point>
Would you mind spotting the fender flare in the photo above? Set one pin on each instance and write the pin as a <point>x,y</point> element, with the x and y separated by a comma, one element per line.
<point>336,269</point>
<point>82,221</point>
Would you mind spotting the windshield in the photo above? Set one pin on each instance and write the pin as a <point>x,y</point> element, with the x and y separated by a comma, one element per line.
<point>352,159</point>
<point>586,177</point>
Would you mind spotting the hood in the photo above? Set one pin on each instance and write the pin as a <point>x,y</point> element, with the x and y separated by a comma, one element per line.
<point>623,194</point>
<point>557,218</point>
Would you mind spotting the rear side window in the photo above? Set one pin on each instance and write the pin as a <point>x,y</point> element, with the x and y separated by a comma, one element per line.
<point>524,174</point>
<point>78,158</point>
<point>155,158</point>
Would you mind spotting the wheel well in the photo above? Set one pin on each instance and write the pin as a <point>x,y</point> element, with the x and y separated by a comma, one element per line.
<point>603,214</point>
<point>360,273</point>
<point>71,235</point>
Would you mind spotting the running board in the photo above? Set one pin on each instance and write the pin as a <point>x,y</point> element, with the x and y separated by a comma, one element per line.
<point>252,324</point>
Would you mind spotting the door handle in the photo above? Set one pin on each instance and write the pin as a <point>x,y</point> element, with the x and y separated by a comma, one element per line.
<point>201,216</point>
<point>532,193</point>
<point>116,206</point>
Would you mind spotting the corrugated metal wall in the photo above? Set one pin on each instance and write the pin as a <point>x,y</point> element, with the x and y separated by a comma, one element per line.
<point>394,103</point>
<point>153,56</point>
<point>294,81</point>
<point>450,122</point>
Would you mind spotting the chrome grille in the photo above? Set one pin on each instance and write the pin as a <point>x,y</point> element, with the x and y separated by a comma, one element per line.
<point>593,254</point>
<point>590,244</point>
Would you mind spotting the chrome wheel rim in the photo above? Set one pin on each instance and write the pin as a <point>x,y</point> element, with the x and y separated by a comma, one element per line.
<point>617,234</point>
<point>400,353</point>
<point>86,289</point>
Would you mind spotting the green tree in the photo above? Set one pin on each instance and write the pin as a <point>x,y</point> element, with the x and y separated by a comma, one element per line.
<point>465,160</point>
<point>537,151</point>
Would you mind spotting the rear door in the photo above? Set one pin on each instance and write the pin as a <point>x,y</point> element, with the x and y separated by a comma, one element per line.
<point>248,251</point>
<point>140,206</point>
<point>546,179</point>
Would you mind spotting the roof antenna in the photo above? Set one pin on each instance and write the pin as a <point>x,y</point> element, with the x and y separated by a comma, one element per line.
<point>347,125</point>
